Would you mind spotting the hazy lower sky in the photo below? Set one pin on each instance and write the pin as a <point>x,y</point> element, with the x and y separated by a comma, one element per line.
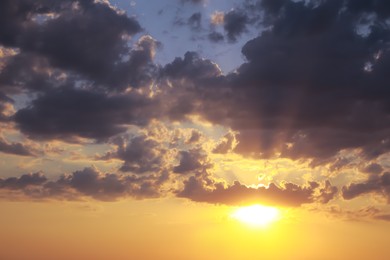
<point>194,129</point>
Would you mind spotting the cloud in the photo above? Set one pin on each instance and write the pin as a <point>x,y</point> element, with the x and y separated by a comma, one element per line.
<point>5,102</point>
<point>91,183</point>
<point>201,189</point>
<point>15,148</point>
<point>53,35</point>
<point>373,168</point>
<point>217,18</point>
<point>235,23</point>
<point>158,151</point>
<point>216,36</point>
<point>379,7</point>
<point>272,6</point>
<point>141,154</point>
<point>312,86</point>
<point>88,182</point>
<point>303,91</point>
<point>27,71</point>
<point>379,184</point>
<point>23,181</point>
<point>68,112</point>
<point>327,193</point>
<point>195,137</point>
<point>195,21</point>
<point>227,144</point>
<point>192,67</point>
<point>362,214</point>
<point>192,161</point>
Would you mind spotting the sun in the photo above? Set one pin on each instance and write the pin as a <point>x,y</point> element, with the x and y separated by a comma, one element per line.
<point>256,215</point>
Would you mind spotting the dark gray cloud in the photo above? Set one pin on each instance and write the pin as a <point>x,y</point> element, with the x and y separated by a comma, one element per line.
<point>235,23</point>
<point>29,71</point>
<point>86,38</point>
<point>191,67</point>
<point>305,90</point>
<point>73,42</point>
<point>140,154</point>
<point>144,154</point>
<point>271,6</point>
<point>195,137</point>
<point>15,148</point>
<point>379,7</point>
<point>327,193</point>
<point>13,15</point>
<point>4,98</point>
<point>204,189</point>
<point>227,144</point>
<point>88,182</point>
<point>373,168</point>
<point>379,184</point>
<point>216,37</point>
<point>23,181</point>
<point>68,112</point>
<point>192,161</point>
<point>92,183</point>
<point>195,21</point>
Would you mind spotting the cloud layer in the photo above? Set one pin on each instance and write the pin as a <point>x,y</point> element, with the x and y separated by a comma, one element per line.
<point>313,86</point>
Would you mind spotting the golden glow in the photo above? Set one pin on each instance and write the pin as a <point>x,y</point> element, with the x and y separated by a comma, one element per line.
<point>256,215</point>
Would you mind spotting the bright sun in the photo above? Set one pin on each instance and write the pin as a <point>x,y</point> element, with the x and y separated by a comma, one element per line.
<point>256,215</point>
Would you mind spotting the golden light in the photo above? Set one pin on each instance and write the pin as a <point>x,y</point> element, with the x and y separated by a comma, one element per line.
<point>256,215</point>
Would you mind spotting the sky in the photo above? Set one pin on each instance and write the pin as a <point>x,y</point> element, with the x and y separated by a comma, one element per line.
<point>138,129</point>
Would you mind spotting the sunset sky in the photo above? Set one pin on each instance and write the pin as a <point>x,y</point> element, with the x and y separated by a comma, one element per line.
<point>195,129</point>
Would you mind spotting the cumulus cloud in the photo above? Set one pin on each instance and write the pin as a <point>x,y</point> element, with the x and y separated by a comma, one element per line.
<point>204,189</point>
<point>227,144</point>
<point>191,67</point>
<point>15,148</point>
<point>88,182</point>
<point>160,152</point>
<point>141,154</point>
<point>303,91</point>
<point>67,39</point>
<point>195,137</point>
<point>312,86</point>
<point>373,168</point>
<point>379,184</point>
<point>23,181</point>
<point>65,113</point>
<point>192,161</point>
<point>235,23</point>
